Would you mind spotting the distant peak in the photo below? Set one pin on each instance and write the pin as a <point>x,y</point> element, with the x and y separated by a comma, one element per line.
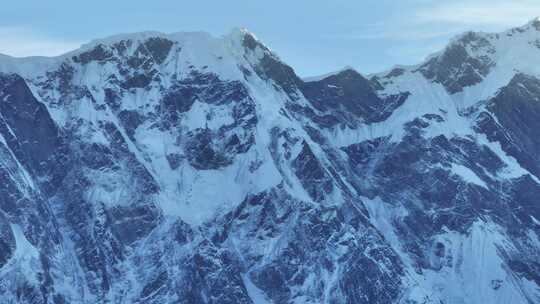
<point>348,69</point>
<point>535,20</point>
<point>242,31</point>
<point>535,23</point>
<point>146,35</point>
<point>246,38</point>
<point>345,69</point>
<point>127,36</point>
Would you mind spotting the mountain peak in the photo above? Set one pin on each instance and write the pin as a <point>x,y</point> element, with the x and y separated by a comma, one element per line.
<point>530,27</point>
<point>534,23</point>
<point>346,68</point>
<point>146,35</point>
<point>247,39</point>
<point>242,31</point>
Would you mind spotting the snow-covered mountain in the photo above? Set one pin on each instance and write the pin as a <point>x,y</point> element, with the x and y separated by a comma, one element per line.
<point>184,168</point>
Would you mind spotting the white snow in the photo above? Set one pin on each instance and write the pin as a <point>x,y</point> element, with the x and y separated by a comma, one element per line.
<point>203,115</point>
<point>25,258</point>
<point>382,215</point>
<point>473,264</point>
<point>468,175</point>
<point>15,169</point>
<point>256,295</point>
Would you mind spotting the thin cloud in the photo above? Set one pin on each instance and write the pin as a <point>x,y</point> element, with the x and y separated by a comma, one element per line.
<point>400,30</point>
<point>443,19</point>
<point>489,13</point>
<point>20,42</point>
<point>422,29</point>
<point>404,33</point>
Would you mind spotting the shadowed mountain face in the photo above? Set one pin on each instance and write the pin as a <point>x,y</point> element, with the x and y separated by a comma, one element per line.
<point>183,168</point>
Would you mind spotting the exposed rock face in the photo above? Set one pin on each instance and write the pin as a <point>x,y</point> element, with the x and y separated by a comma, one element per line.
<point>465,62</point>
<point>182,168</point>
<point>511,120</point>
<point>351,98</point>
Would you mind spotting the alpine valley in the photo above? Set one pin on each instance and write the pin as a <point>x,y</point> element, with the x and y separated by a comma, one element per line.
<point>185,168</point>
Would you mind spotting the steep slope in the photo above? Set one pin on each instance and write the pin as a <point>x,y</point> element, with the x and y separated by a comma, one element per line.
<point>183,168</point>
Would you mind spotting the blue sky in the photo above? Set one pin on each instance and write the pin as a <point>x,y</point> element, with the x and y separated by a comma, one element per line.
<point>313,36</point>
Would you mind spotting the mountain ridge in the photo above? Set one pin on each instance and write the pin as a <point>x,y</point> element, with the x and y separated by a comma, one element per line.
<point>205,170</point>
